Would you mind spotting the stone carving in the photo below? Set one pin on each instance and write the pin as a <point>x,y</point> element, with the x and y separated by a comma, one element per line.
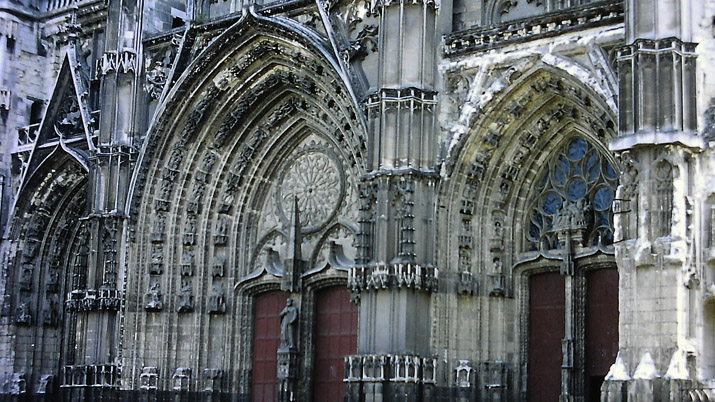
<point>664,173</point>
<point>571,215</point>
<point>217,299</point>
<point>69,117</point>
<point>218,266</point>
<point>213,377</point>
<point>19,384</point>
<point>403,203</point>
<point>22,313</point>
<point>156,265</point>
<point>157,234</point>
<point>315,178</point>
<point>45,384</point>
<point>385,276</point>
<point>289,317</point>
<point>157,72</point>
<point>149,378</point>
<point>709,129</point>
<point>221,237</point>
<point>25,281</point>
<point>185,298</point>
<point>463,374</point>
<point>197,193</point>
<point>53,281</point>
<point>162,202</point>
<point>155,78</point>
<point>337,248</point>
<point>182,378</point>
<point>399,368</point>
<point>367,197</point>
<point>465,283</point>
<point>51,312</point>
<point>207,164</point>
<point>187,262</point>
<point>190,230</point>
<point>122,62</point>
<point>363,44</point>
<point>152,298</point>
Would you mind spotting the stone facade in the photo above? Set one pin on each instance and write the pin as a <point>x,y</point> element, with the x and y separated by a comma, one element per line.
<point>498,200</point>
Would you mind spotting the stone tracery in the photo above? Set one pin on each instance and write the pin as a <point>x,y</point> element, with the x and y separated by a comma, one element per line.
<point>579,180</point>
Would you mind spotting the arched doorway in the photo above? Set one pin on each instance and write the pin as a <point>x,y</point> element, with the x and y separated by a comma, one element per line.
<point>336,330</point>
<point>573,308</point>
<point>266,339</point>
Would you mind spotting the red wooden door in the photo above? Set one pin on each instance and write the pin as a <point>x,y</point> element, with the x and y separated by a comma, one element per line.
<point>335,338</point>
<point>601,328</point>
<point>266,339</point>
<point>546,330</point>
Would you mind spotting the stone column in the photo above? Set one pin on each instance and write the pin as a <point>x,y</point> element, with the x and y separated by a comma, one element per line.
<point>394,274</point>
<point>111,155</point>
<point>656,143</point>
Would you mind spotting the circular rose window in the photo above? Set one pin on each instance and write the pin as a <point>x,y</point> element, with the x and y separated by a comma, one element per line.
<point>313,176</point>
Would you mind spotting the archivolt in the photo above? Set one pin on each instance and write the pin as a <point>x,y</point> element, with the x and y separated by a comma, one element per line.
<point>43,233</point>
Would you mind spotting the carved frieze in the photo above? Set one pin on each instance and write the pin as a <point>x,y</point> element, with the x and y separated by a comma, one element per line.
<point>120,62</point>
<point>394,368</point>
<point>93,300</point>
<point>387,276</point>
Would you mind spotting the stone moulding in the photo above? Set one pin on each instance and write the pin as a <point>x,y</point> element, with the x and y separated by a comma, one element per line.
<point>399,275</point>
<point>393,368</point>
<point>91,300</point>
<point>93,375</point>
<point>573,19</point>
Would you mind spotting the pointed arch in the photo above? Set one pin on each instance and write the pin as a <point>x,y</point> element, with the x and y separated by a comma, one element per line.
<point>44,242</point>
<point>513,135</point>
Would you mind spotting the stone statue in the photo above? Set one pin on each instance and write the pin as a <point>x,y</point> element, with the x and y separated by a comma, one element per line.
<point>289,315</point>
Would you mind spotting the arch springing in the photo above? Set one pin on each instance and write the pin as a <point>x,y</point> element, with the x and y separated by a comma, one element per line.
<point>578,185</point>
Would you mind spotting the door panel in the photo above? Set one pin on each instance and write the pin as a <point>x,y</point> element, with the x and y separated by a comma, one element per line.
<point>546,330</point>
<point>266,339</point>
<point>601,328</point>
<point>335,337</point>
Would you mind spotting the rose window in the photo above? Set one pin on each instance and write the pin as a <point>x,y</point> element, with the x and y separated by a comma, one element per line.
<point>313,177</point>
<point>577,189</point>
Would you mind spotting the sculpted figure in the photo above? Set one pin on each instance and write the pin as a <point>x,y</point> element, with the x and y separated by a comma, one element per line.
<point>289,315</point>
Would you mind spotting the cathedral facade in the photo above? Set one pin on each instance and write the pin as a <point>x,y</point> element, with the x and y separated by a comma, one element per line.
<point>357,200</point>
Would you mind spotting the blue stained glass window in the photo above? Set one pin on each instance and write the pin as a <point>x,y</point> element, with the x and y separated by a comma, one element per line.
<point>602,198</point>
<point>577,149</point>
<point>578,173</point>
<point>576,189</point>
<point>551,203</point>
<point>562,170</point>
<point>609,171</point>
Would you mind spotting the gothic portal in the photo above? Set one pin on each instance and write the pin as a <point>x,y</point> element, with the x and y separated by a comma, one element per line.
<point>365,201</point>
